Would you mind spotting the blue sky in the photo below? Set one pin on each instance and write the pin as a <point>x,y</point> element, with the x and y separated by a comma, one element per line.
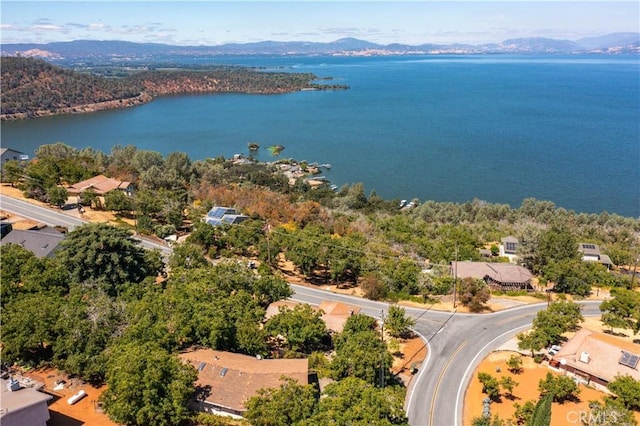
<point>217,22</point>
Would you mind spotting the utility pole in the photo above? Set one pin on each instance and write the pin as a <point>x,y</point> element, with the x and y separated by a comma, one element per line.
<point>455,277</point>
<point>382,366</point>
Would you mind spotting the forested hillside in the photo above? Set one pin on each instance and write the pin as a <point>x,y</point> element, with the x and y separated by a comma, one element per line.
<point>33,88</point>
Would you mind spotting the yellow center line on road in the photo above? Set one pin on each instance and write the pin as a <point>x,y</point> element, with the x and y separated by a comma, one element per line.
<point>444,370</point>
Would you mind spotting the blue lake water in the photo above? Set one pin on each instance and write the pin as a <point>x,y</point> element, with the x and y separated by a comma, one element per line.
<point>446,128</point>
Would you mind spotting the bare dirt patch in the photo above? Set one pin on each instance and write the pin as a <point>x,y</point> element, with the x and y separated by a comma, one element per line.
<point>496,364</point>
<point>86,411</point>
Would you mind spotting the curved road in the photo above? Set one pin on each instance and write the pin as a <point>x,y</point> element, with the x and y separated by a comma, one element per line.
<point>456,345</point>
<point>456,342</point>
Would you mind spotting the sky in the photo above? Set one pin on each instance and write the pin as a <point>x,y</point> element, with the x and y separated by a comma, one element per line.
<point>220,22</point>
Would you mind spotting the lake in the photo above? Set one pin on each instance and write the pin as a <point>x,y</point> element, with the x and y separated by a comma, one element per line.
<point>499,128</point>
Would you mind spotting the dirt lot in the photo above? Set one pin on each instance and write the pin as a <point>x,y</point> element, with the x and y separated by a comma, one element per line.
<point>84,412</point>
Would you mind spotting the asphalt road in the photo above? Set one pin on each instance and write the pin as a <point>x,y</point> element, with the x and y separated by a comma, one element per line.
<point>456,342</point>
<point>53,217</point>
<point>456,345</point>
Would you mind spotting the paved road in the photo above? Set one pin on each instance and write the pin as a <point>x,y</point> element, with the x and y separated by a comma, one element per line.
<point>456,345</point>
<point>53,217</point>
<point>456,342</point>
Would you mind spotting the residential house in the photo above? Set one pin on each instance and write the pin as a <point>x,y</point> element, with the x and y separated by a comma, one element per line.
<point>224,215</point>
<point>335,314</point>
<point>591,253</point>
<point>498,276</point>
<point>7,154</point>
<point>101,185</point>
<point>274,307</point>
<point>509,247</point>
<point>596,358</point>
<point>20,406</point>
<point>227,380</point>
<point>43,242</point>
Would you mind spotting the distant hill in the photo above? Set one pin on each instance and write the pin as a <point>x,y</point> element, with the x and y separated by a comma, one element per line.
<point>122,50</point>
<point>540,45</point>
<point>610,41</point>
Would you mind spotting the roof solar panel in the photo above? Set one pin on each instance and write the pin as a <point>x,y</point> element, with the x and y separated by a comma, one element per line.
<point>201,366</point>
<point>223,372</point>
<point>628,359</point>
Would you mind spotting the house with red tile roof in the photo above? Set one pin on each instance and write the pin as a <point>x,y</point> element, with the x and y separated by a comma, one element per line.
<point>334,314</point>
<point>597,358</point>
<point>227,380</point>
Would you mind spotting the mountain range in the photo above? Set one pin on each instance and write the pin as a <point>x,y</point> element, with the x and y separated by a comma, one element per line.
<point>617,43</point>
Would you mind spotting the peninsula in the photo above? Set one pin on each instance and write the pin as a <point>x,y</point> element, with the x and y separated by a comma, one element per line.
<point>35,88</point>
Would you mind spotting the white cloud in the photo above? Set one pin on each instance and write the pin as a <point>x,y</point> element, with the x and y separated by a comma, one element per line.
<point>47,27</point>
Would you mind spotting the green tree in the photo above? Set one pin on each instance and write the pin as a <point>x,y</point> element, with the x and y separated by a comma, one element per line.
<point>353,401</point>
<point>90,198</point>
<point>358,323</point>
<point>508,384</point>
<point>287,405</point>
<point>16,260</point>
<point>28,334</point>
<point>541,415</point>
<point>118,201</point>
<point>302,328</point>
<point>490,385</point>
<point>557,244</point>
<point>105,254</point>
<point>523,413</point>
<point>533,340</point>
<point>268,288</point>
<point>361,354</point>
<point>397,323</point>
<point>12,172</point>
<point>627,391</point>
<point>571,276</point>
<point>561,388</point>
<point>87,323</point>
<point>487,421</point>
<point>307,248</point>
<point>610,412</point>
<point>57,196</point>
<point>559,318</point>
<point>147,385</point>
<point>622,310</point>
<point>515,364</point>
<point>401,276</point>
<point>188,255</point>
